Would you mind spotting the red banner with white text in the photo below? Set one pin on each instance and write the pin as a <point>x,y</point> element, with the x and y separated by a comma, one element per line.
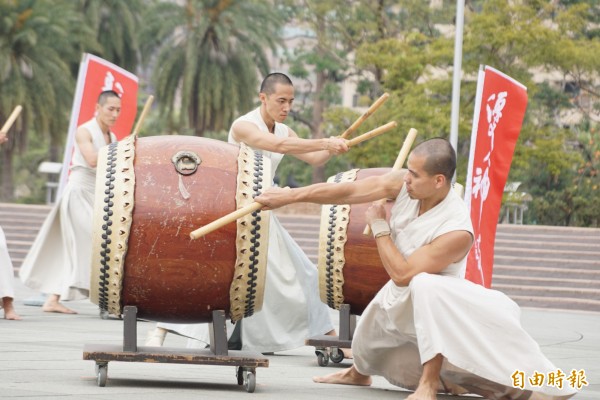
<point>95,76</point>
<point>499,110</point>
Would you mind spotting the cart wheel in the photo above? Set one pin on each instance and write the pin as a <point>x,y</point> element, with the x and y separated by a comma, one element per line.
<point>250,382</point>
<point>336,355</point>
<point>101,374</point>
<point>322,358</point>
<point>240,375</point>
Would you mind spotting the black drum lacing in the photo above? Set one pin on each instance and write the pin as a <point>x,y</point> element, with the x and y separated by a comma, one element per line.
<point>109,186</point>
<point>330,248</point>
<point>255,237</point>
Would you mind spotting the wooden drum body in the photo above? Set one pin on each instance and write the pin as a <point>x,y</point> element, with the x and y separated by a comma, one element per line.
<point>151,192</point>
<point>350,269</point>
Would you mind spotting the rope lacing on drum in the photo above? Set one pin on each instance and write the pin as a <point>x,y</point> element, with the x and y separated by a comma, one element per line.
<point>330,249</point>
<point>106,226</point>
<point>255,239</point>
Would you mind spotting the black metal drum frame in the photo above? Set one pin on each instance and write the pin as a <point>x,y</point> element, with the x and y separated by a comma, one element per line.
<point>217,354</point>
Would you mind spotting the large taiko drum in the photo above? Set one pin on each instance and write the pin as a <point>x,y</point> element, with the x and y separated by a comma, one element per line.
<point>350,269</point>
<point>151,192</point>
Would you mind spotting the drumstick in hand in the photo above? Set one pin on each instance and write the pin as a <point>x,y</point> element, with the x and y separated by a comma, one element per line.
<point>11,119</point>
<point>410,138</point>
<point>219,223</point>
<point>366,115</point>
<point>371,134</point>
<point>143,115</point>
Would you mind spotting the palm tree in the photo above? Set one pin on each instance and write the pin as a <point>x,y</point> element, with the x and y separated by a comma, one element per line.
<point>36,45</point>
<point>206,55</point>
<point>115,23</point>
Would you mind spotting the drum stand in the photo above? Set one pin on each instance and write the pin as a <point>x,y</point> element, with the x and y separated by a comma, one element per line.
<point>218,353</point>
<point>329,347</point>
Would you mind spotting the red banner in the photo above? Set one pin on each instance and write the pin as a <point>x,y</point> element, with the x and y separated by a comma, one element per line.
<point>95,76</point>
<point>499,110</point>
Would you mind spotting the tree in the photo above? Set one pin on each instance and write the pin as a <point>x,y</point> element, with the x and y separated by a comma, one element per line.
<point>323,57</point>
<point>416,70</point>
<point>552,48</point>
<point>115,24</point>
<point>37,42</point>
<point>206,55</point>
<point>562,120</point>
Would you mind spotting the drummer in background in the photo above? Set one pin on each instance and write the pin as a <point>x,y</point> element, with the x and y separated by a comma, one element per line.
<point>292,309</point>
<point>7,273</point>
<point>429,329</point>
<point>58,263</point>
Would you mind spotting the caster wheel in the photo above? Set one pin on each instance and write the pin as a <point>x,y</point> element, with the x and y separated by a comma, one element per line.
<point>336,355</point>
<point>240,375</point>
<point>322,359</point>
<point>101,374</point>
<point>103,314</point>
<point>250,382</point>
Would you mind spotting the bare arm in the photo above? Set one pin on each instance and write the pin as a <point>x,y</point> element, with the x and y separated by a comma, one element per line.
<point>431,258</point>
<point>312,151</point>
<point>362,191</point>
<point>86,146</point>
<point>3,138</point>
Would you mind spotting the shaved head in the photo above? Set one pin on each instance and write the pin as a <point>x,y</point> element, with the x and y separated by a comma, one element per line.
<point>268,84</point>
<point>440,157</point>
<point>107,94</point>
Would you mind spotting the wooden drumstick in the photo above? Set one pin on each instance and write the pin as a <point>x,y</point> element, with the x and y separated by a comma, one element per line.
<point>410,138</point>
<point>11,119</point>
<point>371,134</point>
<point>219,223</point>
<point>366,115</point>
<point>143,115</point>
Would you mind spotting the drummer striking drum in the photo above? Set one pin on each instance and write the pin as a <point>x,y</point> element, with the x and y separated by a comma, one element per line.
<point>292,310</point>
<point>428,329</point>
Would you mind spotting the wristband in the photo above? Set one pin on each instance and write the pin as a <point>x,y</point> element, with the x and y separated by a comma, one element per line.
<point>380,227</point>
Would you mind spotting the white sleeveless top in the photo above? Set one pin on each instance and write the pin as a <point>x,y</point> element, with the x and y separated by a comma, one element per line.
<point>411,231</point>
<point>281,131</point>
<point>78,161</point>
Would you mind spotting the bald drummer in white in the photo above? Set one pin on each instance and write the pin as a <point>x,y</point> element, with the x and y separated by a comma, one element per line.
<point>428,329</point>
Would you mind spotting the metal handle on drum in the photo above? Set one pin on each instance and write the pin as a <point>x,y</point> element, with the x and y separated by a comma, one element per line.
<point>186,162</point>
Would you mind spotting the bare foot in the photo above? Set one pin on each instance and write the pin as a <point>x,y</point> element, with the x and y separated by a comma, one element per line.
<point>57,308</point>
<point>452,388</point>
<point>423,392</point>
<point>12,315</point>
<point>9,309</point>
<point>348,376</point>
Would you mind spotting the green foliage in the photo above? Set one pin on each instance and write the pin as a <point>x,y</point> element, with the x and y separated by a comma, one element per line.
<point>36,41</point>
<point>524,40</point>
<point>115,24</point>
<point>208,53</point>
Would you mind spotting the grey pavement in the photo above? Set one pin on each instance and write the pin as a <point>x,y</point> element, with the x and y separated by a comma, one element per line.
<point>41,358</point>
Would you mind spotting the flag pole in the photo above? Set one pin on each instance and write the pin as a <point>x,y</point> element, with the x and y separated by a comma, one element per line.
<point>456,76</point>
